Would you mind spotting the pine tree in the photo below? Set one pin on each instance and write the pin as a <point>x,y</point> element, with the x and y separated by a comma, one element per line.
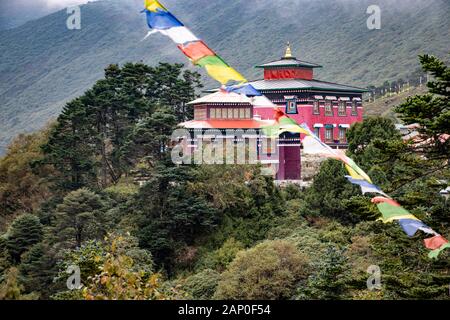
<point>79,218</point>
<point>431,111</point>
<point>25,231</point>
<point>87,144</point>
<point>331,277</point>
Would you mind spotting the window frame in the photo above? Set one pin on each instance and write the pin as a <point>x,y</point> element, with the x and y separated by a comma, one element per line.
<point>354,108</point>
<point>235,113</point>
<point>316,107</point>
<point>331,131</point>
<point>342,139</point>
<point>248,113</point>
<point>329,109</point>
<point>295,106</point>
<point>212,113</point>
<point>342,109</point>
<point>230,113</point>
<point>317,131</point>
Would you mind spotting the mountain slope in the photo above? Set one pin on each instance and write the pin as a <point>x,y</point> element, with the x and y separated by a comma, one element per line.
<point>43,64</point>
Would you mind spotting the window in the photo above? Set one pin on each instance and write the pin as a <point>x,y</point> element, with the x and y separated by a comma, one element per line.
<point>316,107</point>
<point>342,134</point>
<point>329,133</point>
<point>328,109</point>
<point>212,113</point>
<point>200,113</point>
<point>317,132</point>
<point>354,108</point>
<point>248,113</point>
<point>218,113</point>
<point>241,113</point>
<point>291,107</point>
<point>342,109</point>
<point>236,113</point>
<point>230,113</point>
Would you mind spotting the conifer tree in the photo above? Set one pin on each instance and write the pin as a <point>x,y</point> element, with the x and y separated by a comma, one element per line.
<point>25,231</point>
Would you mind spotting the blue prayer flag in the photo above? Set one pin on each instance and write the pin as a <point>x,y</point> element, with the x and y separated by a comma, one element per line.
<point>247,89</point>
<point>411,226</point>
<point>162,20</point>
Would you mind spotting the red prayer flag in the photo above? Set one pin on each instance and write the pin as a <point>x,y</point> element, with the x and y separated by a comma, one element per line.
<point>196,50</point>
<point>435,242</point>
<point>385,200</point>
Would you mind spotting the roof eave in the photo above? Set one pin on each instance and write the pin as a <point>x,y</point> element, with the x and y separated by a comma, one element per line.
<point>288,65</point>
<point>356,90</point>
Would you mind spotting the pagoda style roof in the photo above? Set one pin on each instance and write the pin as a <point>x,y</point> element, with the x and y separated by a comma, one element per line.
<point>300,84</point>
<point>289,62</point>
<point>227,124</point>
<point>223,97</point>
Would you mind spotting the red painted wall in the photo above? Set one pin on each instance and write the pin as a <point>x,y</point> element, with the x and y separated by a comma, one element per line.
<point>306,115</point>
<point>288,73</point>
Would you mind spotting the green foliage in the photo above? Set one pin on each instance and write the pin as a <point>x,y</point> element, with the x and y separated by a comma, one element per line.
<point>79,218</point>
<point>330,277</point>
<point>100,134</point>
<point>172,215</point>
<point>25,231</point>
<point>271,270</point>
<point>361,136</point>
<point>23,189</point>
<point>326,195</point>
<point>89,258</point>
<point>10,289</point>
<point>431,111</point>
<point>193,223</point>
<point>38,269</point>
<point>219,259</point>
<point>250,202</point>
<point>118,278</point>
<point>202,285</point>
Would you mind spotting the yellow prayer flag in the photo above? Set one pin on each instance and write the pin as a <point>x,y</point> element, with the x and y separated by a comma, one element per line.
<point>153,5</point>
<point>292,129</point>
<point>224,74</point>
<point>405,216</point>
<point>361,175</point>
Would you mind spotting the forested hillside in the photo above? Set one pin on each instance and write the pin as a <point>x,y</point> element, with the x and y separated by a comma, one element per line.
<point>43,64</point>
<point>70,198</point>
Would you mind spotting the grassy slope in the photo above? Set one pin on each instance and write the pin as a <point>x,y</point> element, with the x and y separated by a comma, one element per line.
<point>42,64</point>
<point>384,106</point>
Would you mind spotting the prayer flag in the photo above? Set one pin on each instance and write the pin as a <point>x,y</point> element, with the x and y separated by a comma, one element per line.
<point>435,242</point>
<point>412,226</point>
<point>196,50</point>
<point>179,35</point>
<point>161,20</point>
<point>435,253</point>
<point>246,89</point>
<point>154,5</point>
<point>366,187</point>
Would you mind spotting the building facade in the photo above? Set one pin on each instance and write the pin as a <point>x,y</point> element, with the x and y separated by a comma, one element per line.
<point>327,108</point>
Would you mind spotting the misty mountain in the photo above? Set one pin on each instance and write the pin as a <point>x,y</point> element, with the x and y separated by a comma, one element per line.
<point>43,64</point>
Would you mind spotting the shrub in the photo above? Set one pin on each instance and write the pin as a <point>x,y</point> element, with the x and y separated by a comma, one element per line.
<point>268,271</point>
<point>222,257</point>
<point>202,285</point>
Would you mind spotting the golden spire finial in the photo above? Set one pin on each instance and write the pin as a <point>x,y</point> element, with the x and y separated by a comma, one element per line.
<point>288,54</point>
